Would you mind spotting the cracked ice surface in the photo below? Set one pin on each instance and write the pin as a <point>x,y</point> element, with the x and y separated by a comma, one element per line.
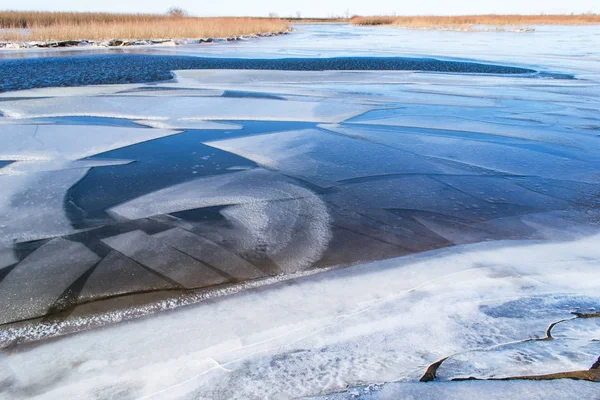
<point>288,173</point>
<point>383,321</point>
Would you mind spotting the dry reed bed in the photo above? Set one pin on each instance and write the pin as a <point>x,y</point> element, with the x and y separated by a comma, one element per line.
<point>57,26</point>
<point>464,22</point>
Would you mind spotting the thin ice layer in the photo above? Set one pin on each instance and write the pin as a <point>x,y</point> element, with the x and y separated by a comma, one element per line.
<point>117,275</point>
<point>499,154</point>
<point>210,253</point>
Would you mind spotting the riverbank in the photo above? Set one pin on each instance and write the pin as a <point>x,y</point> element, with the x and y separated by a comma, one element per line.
<point>479,23</point>
<point>132,42</point>
<point>55,29</point>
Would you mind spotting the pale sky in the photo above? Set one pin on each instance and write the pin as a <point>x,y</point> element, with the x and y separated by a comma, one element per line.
<point>315,8</point>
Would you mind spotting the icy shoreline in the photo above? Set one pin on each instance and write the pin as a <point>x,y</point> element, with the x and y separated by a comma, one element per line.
<point>112,43</point>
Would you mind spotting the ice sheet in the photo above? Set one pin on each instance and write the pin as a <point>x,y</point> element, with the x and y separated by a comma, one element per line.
<point>187,123</point>
<point>323,158</point>
<point>66,142</point>
<point>165,260</point>
<point>204,108</point>
<point>436,160</point>
<point>29,290</point>
<point>32,205</point>
<point>383,321</point>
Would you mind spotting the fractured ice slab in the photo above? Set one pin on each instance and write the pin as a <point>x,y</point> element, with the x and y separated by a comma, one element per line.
<point>205,108</point>
<point>48,162</point>
<point>548,134</point>
<point>69,142</point>
<point>151,252</point>
<point>96,90</point>
<point>413,192</point>
<point>525,358</point>
<point>37,282</point>
<point>187,123</point>
<point>498,154</point>
<point>324,158</point>
<point>116,275</point>
<point>32,205</point>
<point>243,187</point>
<point>490,390</point>
<point>35,166</point>
<point>209,253</point>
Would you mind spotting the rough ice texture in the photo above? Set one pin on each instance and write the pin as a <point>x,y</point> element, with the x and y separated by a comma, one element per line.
<point>559,390</point>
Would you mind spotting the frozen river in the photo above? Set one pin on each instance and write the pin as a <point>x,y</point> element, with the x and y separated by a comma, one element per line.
<point>338,207</point>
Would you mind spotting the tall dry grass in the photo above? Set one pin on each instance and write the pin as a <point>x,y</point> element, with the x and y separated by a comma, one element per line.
<point>50,26</point>
<point>469,20</point>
